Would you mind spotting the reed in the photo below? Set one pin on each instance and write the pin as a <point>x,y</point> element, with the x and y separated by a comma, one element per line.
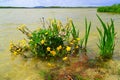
<point>86,36</point>
<point>87,31</point>
<point>106,39</point>
<point>74,32</point>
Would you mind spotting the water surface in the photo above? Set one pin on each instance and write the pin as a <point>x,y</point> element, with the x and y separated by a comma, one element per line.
<point>28,69</point>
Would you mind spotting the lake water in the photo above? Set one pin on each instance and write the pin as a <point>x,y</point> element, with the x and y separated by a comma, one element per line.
<point>10,19</point>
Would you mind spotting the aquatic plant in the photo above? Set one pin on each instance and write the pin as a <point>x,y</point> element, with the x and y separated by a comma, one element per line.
<point>87,31</point>
<point>52,41</point>
<point>86,36</point>
<point>19,48</point>
<point>75,34</point>
<point>106,40</point>
<point>44,43</point>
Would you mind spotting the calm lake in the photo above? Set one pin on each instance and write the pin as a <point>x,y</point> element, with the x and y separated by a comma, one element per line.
<point>28,69</point>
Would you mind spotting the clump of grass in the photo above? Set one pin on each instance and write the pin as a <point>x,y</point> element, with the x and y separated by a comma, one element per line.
<point>74,32</point>
<point>87,31</point>
<point>106,40</point>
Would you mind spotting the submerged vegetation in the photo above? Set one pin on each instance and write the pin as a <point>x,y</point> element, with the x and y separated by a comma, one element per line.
<point>61,44</point>
<point>114,8</point>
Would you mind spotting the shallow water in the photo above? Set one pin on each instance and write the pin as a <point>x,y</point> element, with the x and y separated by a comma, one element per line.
<point>28,69</point>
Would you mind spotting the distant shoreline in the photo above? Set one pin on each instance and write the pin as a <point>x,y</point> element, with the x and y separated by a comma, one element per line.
<point>42,7</point>
<point>111,9</point>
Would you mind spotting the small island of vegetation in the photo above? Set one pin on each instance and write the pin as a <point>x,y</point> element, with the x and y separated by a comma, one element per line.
<point>65,53</point>
<point>114,8</point>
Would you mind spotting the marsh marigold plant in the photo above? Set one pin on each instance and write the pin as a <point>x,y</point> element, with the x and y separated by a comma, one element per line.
<point>53,41</point>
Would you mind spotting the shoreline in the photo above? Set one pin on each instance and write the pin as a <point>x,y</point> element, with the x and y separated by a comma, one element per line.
<point>45,7</point>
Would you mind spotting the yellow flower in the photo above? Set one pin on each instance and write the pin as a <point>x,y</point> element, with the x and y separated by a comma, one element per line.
<point>59,47</point>
<point>76,47</point>
<point>48,48</point>
<point>15,53</point>
<point>68,48</point>
<point>65,58</point>
<point>42,41</point>
<point>53,53</point>
<point>78,39</point>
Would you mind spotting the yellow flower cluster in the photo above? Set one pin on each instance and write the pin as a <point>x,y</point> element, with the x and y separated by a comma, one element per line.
<point>17,48</point>
<point>68,48</point>
<point>59,47</point>
<point>48,48</point>
<point>53,52</point>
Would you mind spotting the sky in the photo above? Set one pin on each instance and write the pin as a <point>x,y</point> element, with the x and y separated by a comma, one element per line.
<point>73,3</point>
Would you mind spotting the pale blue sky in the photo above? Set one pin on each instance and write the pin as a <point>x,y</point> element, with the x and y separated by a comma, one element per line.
<point>30,3</point>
